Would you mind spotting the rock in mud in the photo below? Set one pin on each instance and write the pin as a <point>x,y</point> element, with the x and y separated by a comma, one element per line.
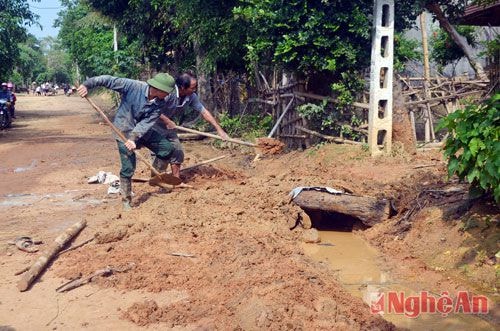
<point>311,236</point>
<point>111,236</point>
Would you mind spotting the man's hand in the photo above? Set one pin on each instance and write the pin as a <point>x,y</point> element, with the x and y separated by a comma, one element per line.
<point>130,144</point>
<point>223,134</point>
<point>82,91</point>
<point>171,125</point>
<point>168,122</point>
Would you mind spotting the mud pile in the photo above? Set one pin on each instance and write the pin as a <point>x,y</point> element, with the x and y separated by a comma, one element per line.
<point>227,244</point>
<point>270,146</point>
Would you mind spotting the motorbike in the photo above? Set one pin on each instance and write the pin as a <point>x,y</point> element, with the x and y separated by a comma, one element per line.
<point>5,118</point>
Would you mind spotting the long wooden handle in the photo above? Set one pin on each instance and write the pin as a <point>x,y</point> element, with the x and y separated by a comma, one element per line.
<point>206,134</point>
<point>122,136</point>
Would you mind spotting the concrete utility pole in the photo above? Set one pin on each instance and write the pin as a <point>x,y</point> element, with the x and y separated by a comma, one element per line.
<point>115,38</point>
<point>381,73</point>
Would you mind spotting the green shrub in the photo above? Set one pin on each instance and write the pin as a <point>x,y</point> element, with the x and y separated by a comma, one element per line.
<point>473,146</point>
<point>248,126</point>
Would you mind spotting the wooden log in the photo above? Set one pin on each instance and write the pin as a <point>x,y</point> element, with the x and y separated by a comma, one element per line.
<point>47,256</point>
<point>448,97</point>
<point>293,136</point>
<point>367,209</point>
<point>329,99</point>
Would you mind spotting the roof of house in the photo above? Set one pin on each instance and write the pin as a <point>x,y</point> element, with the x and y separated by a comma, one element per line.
<point>482,15</point>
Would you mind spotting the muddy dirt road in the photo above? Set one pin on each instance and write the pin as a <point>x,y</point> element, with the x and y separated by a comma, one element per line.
<point>219,256</point>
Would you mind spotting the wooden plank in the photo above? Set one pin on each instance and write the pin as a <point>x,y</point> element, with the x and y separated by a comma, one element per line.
<point>47,256</point>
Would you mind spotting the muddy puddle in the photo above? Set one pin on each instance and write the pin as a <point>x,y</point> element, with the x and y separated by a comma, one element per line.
<point>361,271</point>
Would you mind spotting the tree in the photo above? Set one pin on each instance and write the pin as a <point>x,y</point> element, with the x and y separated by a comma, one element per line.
<point>31,61</point>
<point>179,35</point>
<point>88,38</point>
<point>445,51</point>
<point>460,41</point>
<point>14,14</point>
<point>58,62</point>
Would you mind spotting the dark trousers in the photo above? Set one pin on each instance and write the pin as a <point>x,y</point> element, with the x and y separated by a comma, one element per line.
<point>153,141</point>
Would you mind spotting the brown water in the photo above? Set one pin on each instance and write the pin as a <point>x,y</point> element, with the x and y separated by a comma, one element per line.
<point>360,270</point>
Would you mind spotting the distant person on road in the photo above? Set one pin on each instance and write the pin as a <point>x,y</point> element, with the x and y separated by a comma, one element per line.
<point>140,107</point>
<point>186,97</point>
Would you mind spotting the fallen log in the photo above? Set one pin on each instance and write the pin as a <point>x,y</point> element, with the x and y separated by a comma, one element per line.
<point>368,210</point>
<point>47,256</point>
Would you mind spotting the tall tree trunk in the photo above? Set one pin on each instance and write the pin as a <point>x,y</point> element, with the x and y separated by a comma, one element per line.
<point>457,38</point>
<point>204,90</point>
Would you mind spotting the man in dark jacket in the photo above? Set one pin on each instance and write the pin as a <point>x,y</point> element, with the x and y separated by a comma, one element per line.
<point>176,103</point>
<point>140,108</point>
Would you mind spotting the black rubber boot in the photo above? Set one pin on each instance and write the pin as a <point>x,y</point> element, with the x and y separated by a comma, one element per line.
<point>126,192</point>
<point>160,166</point>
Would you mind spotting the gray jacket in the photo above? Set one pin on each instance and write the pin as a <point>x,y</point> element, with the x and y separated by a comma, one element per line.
<point>135,115</point>
<point>174,105</point>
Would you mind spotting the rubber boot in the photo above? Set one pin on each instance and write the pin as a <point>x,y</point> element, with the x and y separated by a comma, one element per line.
<point>126,192</point>
<point>160,166</point>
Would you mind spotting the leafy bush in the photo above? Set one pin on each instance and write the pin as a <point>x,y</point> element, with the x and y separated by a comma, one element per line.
<point>492,47</point>
<point>330,120</point>
<point>405,49</point>
<point>473,146</point>
<point>248,126</point>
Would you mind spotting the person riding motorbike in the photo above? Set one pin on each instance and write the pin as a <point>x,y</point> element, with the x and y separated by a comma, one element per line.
<point>5,101</point>
<point>10,87</point>
<point>5,94</point>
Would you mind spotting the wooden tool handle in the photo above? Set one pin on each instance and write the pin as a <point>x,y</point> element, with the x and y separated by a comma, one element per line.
<point>122,136</point>
<point>210,135</point>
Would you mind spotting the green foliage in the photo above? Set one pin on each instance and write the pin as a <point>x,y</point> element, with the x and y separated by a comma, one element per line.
<point>31,61</point>
<point>331,120</point>
<point>13,15</point>
<point>317,115</point>
<point>445,51</point>
<point>88,38</point>
<point>492,48</point>
<point>174,32</point>
<point>308,36</point>
<point>405,50</point>
<point>473,146</point>
<point>58,63</point>
<point>251,126</point>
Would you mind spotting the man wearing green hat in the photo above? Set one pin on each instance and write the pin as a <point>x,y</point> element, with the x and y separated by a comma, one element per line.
<point>140,107</point>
